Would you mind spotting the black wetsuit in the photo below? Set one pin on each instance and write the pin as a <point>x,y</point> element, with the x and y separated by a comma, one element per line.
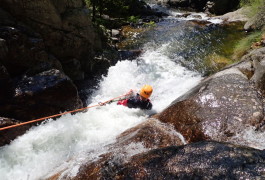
<point>136,102</point>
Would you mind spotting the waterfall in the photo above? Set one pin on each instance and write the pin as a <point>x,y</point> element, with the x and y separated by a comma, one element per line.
<point>51,144</point>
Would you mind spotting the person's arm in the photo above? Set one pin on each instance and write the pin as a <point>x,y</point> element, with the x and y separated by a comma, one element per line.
<point>149,105</point>
<point>130,94</point>
<point>123,102</point>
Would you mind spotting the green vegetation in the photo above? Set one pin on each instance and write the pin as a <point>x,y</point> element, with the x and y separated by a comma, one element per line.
<point>255,6</point>
<point>150,24</point>
<point>112,14</point>
<point>115,8</point>
<point>245,44</point>
<point>133,19</point>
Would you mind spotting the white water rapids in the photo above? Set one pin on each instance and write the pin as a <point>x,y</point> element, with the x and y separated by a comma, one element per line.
<point>44,148</point>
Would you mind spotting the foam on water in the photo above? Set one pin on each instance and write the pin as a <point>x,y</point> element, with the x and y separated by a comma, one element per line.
<point>52,145</point>
<point>173,13</point>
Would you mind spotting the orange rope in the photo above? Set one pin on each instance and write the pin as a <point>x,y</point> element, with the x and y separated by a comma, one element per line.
<point>67,112</point>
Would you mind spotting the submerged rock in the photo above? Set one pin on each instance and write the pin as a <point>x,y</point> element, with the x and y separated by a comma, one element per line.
<point>222,106</point>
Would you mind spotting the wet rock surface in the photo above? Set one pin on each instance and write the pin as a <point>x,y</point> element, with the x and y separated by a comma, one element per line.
<point>202,160</point>
<point>223,105</point>
<point>139,139</point>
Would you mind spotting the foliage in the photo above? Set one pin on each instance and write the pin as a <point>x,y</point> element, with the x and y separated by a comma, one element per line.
<point>133,19</point>
<point>150,24</point>
<point>244,44</point>
<point>115,8</point>
<point>255,6</point>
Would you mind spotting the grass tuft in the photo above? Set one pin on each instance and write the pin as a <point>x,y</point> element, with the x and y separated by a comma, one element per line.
<point>244,45</point>
<point>255,6</point>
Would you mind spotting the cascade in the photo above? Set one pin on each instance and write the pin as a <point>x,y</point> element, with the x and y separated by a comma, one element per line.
<point>163,64</point>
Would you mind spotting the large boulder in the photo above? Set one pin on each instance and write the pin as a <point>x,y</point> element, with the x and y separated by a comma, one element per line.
<point>65,28</point>
<point>235,16</point>
<point>145,136</point>
<point>23,50</point>
<point>33,83</point>
<point>202,160</point>
<point>257,57</point>
<point>40,94</point>
<point>222,106</point>
<point>217,7</point>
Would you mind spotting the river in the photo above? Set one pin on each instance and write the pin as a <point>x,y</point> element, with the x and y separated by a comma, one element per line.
<point>172,62</point>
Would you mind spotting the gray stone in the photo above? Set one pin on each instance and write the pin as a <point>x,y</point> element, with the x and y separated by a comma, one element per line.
<point>202,160</point>
<point>238,15</point>
<point>257,57</point>
<point>217,109</point>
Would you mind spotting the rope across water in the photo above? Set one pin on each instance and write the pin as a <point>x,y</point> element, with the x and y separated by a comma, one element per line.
<point>67,112</point>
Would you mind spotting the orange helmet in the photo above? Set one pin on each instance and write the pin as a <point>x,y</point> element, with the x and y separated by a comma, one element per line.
<point>146,91</point>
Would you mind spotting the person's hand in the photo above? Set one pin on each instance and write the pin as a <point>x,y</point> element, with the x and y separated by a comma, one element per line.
<point>101,104</point>
<point>130,92</point>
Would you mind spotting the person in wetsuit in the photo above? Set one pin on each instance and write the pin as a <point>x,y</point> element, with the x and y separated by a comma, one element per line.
<point>140,100</point>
